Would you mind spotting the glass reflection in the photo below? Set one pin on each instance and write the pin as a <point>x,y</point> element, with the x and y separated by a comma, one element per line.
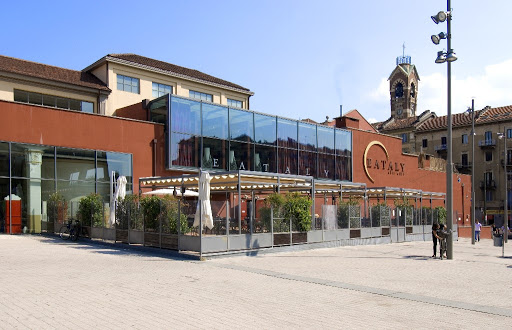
<point>240,156</point>
<point>325,139</point>
<point>265,129</point>
<point>287,161</point>
<point>215,121</point>
<point>241,125</point>
<point>307,137</point>
<point>4,159</point>
<point>158,110</point>
<point>109,162</point>
<point>214,154</point>
<point>184,149</point>
<point>326,166</point>
<point>307,163</point>
<point>185,116</point>
<point>343,168</point>
<point>265,159</point>
<point>343,143</point>
<point>286,133</point>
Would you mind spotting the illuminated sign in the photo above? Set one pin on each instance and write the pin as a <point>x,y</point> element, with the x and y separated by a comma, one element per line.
<point>385,165</point>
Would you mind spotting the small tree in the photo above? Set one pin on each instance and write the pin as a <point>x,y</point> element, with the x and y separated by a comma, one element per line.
<point>57,207</point>
<point>90,210</point>
<point>441,214</point>
<point>298,207</point>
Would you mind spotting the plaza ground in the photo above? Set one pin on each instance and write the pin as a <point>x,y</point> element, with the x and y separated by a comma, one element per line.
<point>49,283</point>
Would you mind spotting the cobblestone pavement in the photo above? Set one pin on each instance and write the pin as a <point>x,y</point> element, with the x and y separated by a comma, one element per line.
<point>48,283</point>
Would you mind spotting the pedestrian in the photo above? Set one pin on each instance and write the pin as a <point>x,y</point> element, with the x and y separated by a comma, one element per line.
<point>435,237</point>
<point>478,228</point>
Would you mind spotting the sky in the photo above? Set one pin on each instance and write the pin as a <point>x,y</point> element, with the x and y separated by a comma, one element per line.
<point>302,59</point>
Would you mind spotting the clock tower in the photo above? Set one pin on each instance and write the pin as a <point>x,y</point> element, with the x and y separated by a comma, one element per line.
<point>403,88</point>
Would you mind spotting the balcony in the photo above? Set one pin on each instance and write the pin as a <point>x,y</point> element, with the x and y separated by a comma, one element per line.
<point>509,163</point>
<point>490,185</point>
<point>487,144</point>
<point>464,168</point>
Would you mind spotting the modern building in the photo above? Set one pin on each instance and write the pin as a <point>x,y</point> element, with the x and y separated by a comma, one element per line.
<point>72,133</point>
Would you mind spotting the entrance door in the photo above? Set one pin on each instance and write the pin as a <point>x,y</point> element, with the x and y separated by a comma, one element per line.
<point>397,226</point>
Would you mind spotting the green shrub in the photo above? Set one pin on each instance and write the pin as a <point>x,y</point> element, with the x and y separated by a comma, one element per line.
<point>90,210</point>
<point>298,208</point>
<point>155,208</point>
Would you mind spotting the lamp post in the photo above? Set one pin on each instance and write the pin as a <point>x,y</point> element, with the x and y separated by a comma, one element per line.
<point>448,57</point>
<point>472,111</point>
<point>505,200</point>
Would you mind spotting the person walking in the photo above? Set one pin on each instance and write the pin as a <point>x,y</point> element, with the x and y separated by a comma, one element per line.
<point>478,228</point>
<point>435,237</point>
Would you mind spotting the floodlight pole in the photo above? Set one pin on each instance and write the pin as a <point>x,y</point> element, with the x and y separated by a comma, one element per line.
<point>473,172</point>
<point>449,164</point>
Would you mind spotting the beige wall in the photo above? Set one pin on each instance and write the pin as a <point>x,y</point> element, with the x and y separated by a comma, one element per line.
<point>119,99</point>
<point>7,87</point>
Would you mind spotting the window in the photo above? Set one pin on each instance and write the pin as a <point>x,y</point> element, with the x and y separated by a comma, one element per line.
<point>488,136</point>
<point>424,143</point>
<point>128,84</point>
<point>488,195</point>
<point>464,139</point>
<point>161,89</point>
<point>200,96</point>
<point>488,156</point>
<point>399,90</point>
<point>443,140</point>
<point>509,157</point>
<point>53,101</point>
<point>405,137</point>
<point>235,103</point>
<point>464,160</point>
<point>509,133</point>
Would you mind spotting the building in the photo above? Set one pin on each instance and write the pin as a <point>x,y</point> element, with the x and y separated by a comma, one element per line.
<point>85,129</point>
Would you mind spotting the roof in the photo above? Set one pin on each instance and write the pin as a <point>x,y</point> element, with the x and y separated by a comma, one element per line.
<point>48,72</point>
<point>170,68</point>
<point>364,125</point>
<point>398,124</point>
<point>407,69</point>
<point>489,114</point>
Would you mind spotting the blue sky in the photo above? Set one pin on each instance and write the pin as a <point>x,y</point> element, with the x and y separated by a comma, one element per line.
<point>302,59</point>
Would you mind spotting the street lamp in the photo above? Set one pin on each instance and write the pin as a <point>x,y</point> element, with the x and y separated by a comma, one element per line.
<point>472,111</point>
<point>505,205</point>
<point>448,57</point>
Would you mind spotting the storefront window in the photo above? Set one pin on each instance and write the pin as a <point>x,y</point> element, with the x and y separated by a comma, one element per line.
<point>307,137</point>
<point>158,111</point>
<point>265,129</point>
<point>214,154</point>
<point>287,161</point>
<point>185,116</point>
<point>240,156</point>
<point>343,143</point>
<point>215,121</point>
<point>265,159</point>
<point>286,133</point>
<point>4,159</point>
<point>241,125</point>
<point>326,166</point>
<point>119,163</point>
<point>325,139</point>
<point>184,150</point>
<point>307,163</point>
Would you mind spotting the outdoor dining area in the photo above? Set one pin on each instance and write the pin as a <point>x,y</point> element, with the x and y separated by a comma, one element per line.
<point>233,211</point>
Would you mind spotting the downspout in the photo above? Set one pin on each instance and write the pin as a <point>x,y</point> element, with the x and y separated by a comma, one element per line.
<point>154,157</point>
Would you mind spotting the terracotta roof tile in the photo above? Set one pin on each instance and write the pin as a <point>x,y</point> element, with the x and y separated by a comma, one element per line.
<point>458,119</point>
<point>488,115</point>
<point>146,61</point>
<point>43,71</point>
<point>399,124</point>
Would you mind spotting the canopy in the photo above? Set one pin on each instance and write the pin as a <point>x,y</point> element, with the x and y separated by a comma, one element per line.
<point>204,208</point>
<point>168,191</point>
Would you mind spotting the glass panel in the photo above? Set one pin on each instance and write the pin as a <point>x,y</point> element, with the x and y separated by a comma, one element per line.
<point>286,133</point>
<point>265,159</point>
<point>20,96</point>
<point>287,161</point>
<point>326,166</point>
<point>74,165</point>
<point>35,98</point>
<point>119,163</point>
<point>307,137</point>
<point>62,103</point>
<point>4,161</point>
<point>73,192</point>
<point>325,139</point>
<point>343,143</point>
<point>343,168</point>
<point>241,125</point>
<point>214,154</point>
<point>87,107</point>
<point>185,116</point>
<point>49,100</point>
<point>307,163</point>
<point>184,150</point>
<point>74,105</point>
<point>240,156</point>
<point>215,121</point>
<point>265,129</point>
<point>4,191</point>
<point>158,111</point>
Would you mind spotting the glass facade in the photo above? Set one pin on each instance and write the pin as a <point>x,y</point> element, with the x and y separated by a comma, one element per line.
<point>53,101</point>
<point>35,175</point>
<point>215,137</point>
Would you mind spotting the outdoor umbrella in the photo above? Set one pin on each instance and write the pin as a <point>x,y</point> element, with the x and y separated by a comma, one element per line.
<point>204,208</point>
<point>119,193</point>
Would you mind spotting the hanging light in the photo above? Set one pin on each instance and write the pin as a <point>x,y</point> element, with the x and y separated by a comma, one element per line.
<point>441,57</point>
